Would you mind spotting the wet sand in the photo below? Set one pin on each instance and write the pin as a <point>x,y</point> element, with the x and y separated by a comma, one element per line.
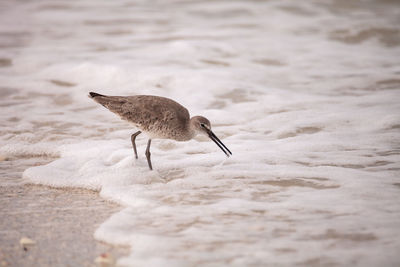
<point>60,221</point>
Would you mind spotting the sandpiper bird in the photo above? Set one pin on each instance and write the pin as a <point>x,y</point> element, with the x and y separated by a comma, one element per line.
<point>158,117</point>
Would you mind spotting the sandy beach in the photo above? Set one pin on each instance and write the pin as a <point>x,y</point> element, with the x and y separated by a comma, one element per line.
<point>60,221</point>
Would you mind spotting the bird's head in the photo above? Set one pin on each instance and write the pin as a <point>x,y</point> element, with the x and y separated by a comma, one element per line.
<point>202,125</point>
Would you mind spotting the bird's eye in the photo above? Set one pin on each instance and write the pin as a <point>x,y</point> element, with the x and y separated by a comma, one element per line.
<point>202,125</point>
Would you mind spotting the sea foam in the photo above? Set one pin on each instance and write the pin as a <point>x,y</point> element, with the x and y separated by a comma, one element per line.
<point>304,95</point>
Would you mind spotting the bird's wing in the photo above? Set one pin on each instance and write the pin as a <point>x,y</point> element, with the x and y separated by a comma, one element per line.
<point>145,111</point>
<point>151,111</point>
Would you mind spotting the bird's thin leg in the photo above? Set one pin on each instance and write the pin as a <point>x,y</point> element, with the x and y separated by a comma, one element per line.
<point>148,154</point>
<point>133,137</point>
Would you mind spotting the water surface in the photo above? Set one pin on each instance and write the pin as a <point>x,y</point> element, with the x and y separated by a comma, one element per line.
<point>306,96</point>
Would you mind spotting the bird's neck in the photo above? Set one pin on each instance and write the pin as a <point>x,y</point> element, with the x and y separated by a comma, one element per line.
<point>190,130</point>
<point>186,133</point>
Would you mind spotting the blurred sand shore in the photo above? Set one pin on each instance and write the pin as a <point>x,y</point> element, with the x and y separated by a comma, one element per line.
<point>60,221</point>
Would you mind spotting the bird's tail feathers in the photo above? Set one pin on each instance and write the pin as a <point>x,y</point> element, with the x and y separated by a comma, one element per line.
<point>93,94</point>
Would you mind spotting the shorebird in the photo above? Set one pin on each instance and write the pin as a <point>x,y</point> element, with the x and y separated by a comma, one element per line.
<point>159,118</point>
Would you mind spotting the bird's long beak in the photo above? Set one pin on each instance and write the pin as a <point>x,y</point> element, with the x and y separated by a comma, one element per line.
<point>219,143</point>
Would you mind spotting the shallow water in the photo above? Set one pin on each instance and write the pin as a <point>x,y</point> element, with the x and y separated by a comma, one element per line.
<point>305,95</point>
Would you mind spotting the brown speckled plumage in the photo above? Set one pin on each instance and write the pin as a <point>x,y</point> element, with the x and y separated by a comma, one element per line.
<point>158,117</point>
